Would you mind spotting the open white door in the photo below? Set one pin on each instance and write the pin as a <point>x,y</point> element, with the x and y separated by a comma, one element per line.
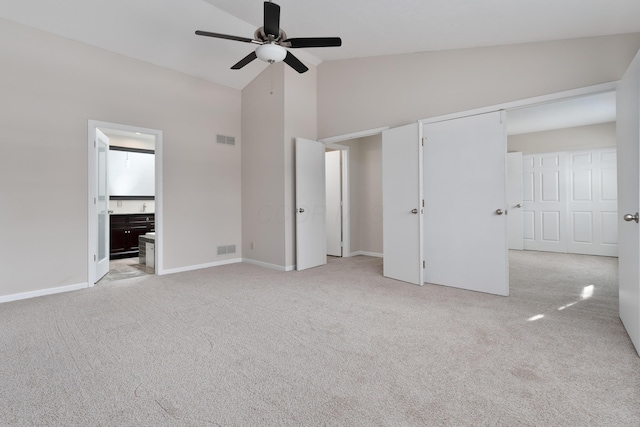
<point>514,200</point>
<point>311,240</point>
<point>102,205</point>
<point>628,130</point>
<point>334,202</point>
<point>465,225</point>
<point>402,204</point>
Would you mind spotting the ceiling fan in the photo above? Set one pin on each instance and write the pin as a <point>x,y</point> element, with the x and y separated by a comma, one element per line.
<point>273,41</point>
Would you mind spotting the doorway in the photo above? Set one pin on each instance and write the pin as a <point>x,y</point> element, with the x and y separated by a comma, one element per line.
<point>361,172</point>
<point>125,202</point>
<point>568,195</point>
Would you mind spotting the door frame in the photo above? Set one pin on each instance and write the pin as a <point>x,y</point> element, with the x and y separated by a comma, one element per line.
<point>332,142</point>
<point>92,236</point>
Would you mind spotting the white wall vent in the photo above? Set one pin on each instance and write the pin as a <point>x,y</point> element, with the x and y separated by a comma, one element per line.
<point>225,139</point>
<point>228,249</point>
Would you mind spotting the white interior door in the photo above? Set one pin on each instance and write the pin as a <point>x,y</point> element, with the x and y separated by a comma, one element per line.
<point>592,202</point>
<point>628,130</point>
<point>401,204</point>
<point>465,200</point>
<point>544,202</point>
<point>333,169</point>
<point>311,240</point>
<point>102,205</point>
<point>514,200</point>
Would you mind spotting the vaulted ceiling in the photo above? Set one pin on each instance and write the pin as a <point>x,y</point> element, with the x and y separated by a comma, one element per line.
<point>162,31</point>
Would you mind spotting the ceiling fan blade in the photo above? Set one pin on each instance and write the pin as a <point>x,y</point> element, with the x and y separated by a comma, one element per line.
<point>227,37</point>
<point>271,19</point>
<point>295,63</point>
<point>244,61</point>
<point>313,42</point>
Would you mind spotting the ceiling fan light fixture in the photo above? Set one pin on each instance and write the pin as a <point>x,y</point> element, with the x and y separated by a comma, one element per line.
<point>271,53</point>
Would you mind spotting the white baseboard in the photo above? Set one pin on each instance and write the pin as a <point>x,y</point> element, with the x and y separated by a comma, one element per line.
<point>43,292</point>
<point>268,265</point>
<point>373,254</point>
<point>199,266</point>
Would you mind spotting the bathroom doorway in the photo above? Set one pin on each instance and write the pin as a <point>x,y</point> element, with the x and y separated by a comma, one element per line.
<point>125,201</point>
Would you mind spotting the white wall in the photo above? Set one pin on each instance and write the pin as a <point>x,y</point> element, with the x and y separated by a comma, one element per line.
<point>50,88</point>
<point>576,138</point>
<point>366,93</point>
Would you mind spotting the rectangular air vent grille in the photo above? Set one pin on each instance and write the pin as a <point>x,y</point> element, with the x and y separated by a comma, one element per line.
<point>225,139</point>
<point>228,249</point>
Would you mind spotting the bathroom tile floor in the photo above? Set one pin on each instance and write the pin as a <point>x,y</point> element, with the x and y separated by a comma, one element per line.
<point>125,268</point>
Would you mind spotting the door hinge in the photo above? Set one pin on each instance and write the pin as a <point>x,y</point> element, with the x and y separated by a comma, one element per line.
<point>94,144</point>
<point>94,200</point>
<point>424,264</point>
<point>423,141</point>
<point>342,244</point>
<point>94,257</point>
<point>423,203</point>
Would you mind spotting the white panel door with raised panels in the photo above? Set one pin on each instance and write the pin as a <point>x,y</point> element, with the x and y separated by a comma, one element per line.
<point>544,203</point>
<point>570,202</point>
<point>592,205</point>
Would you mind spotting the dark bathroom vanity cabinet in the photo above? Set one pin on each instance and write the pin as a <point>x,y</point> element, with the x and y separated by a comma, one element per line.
<point>125,230</point>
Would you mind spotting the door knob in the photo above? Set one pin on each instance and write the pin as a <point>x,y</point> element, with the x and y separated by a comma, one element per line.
<point>518,205</point>
<point>499,211</point>
<point>629,217</point>
<point>301,210</point>
<point>414,211</point>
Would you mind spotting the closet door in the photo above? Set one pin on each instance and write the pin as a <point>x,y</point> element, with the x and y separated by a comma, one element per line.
<point>544,195</point>
<point>465,240</point>
<point>401,204</point>
<point>592,203</point>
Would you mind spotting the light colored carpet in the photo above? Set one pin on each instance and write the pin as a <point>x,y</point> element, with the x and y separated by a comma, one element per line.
<point>241,345</point>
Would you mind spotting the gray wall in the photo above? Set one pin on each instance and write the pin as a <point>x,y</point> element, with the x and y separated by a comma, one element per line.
<point>366,93</point>
<point>575,138</point>
<point>365,189</point>
<point>50,88</point>
<point>277,106</point>
<point>263,161</point>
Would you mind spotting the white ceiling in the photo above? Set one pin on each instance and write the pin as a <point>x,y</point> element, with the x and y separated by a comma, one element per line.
<point>585,110</point>
<point>162,31</point>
